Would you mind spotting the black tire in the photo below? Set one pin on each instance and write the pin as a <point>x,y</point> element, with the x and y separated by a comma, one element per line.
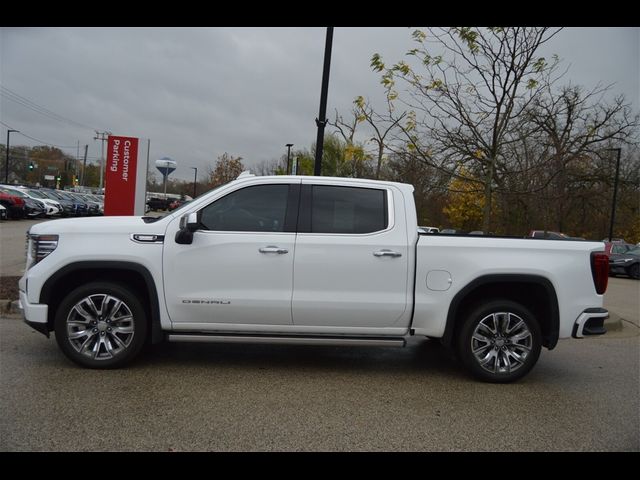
<point>108,339</point>
<point>634,271</point>
<point>501,346</point>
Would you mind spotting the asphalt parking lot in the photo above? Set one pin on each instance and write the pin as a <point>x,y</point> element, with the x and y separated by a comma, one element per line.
<point>582,396</point>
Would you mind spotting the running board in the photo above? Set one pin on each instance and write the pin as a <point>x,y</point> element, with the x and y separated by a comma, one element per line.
<point>289,340</point>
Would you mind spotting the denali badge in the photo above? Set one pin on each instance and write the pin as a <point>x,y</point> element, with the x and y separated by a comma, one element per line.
<point>208,302</point>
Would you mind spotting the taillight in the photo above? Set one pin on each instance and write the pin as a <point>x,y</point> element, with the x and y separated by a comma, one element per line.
<point>600,271</point>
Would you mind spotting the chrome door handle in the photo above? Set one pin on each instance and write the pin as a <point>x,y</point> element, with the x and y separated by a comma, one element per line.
<point>273,249</point>
<point>386,253</point>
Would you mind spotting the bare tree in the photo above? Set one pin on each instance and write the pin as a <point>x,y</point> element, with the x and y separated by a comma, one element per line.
<point>469,98</point>
<point>382,126</point>
<point>578,128</point>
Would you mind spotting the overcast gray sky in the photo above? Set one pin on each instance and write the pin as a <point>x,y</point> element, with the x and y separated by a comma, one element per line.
<point>200,92</point>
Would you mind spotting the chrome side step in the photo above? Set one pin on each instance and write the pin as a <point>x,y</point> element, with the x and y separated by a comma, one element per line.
<point>288,340</point>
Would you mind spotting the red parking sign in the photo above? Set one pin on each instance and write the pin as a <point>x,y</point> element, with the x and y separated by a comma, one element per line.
<point>120,176</point>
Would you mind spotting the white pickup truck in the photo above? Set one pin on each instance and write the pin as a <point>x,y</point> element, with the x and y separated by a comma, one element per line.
<point>307,260</point>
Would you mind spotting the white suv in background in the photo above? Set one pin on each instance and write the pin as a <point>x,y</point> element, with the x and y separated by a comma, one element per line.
<point>52,207</point>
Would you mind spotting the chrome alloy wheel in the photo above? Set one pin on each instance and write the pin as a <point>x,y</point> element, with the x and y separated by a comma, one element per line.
<point>501,342</point>
<point>100,326</point>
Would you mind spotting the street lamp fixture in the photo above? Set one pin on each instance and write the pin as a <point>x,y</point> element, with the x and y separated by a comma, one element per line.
<point>289,145</point>
<point>6,167</point>
<point>195,180</point>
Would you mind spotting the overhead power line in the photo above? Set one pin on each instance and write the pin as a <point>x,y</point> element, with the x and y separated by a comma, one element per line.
<point>31,105</point>
<point>37,139</point>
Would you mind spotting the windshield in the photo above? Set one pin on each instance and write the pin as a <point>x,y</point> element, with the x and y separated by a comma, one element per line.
<point>17,193</point>
<point>185,204</point>
<point>53,195</point>
<point>66,196</point>
<point>37,194</point>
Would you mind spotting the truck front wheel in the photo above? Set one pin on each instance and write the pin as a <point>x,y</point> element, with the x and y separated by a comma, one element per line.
<point>101,325</point>
<point>500,341</point>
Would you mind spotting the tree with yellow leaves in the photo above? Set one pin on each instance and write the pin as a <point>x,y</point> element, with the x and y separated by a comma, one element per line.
<point>466,201</point>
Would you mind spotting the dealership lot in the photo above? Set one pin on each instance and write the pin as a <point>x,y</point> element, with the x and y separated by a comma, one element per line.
<point>581,396</point>
<point>179,397</point>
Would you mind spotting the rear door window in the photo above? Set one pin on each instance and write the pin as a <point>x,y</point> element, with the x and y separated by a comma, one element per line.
<point>348,210</point>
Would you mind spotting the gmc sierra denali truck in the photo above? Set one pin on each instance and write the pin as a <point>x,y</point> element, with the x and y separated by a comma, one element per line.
<point>307,260</point>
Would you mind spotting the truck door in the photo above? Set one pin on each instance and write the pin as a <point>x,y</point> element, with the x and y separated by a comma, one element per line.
<point>239,268</point>
<point>351,263</point>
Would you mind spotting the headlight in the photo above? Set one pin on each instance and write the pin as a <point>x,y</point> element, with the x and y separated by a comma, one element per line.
<point>39,247</point>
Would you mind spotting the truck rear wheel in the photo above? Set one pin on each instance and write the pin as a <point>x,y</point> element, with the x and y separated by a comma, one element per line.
<point>500,341</point>
<point>101,325</point>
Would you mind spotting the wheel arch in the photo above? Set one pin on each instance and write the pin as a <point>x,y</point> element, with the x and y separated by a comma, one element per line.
<point>131,274</point>
<point>541,299</point>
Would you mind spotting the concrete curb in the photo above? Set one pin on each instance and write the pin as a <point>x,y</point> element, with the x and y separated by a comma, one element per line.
<point>614,322</point>
<point>9,307</point>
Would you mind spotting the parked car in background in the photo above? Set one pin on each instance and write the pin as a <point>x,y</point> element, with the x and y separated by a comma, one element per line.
<point>53,207</point>
<point>68,207</point>
<point>549,235</point>
<point>82,207</point>
<point>156,203</point>
<point>71,206</point>
<point>625,263</point>
<point>453,231</point>
<point>428,230</point>
<point>96,198</point>
<point>13,203</point>
<point>93,208</point>
<point>617,247</point>
<point>33,208</point>
<point>177,203</point>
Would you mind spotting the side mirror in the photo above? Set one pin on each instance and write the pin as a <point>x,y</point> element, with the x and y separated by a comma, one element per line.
<point>188,224</point>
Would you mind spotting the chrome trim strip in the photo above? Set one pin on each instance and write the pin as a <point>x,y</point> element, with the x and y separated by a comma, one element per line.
<point>146,238</point>
<point>266,340</point>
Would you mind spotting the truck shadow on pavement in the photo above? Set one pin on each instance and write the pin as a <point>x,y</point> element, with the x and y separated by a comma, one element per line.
<point>418,357</point>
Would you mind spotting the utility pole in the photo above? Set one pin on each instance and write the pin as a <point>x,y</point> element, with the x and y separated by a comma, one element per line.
<point>289,145</point>
<point>195,180</point>
<point>84,165</point>
<point>6,168</point>
<point>103,136</point>
<point>321,121</point>
<point>615,194</point>
<point>296,160</point>
<point>77,162</point>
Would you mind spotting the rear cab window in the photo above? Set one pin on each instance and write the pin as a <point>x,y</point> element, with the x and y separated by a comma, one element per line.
<point>344,210</point>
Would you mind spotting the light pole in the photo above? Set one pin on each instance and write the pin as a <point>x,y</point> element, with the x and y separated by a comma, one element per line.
<point>289,145</point>
<point>615,193</point>
<point>321,121</point>
<point>6,167</point>
<point>195,180</point>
